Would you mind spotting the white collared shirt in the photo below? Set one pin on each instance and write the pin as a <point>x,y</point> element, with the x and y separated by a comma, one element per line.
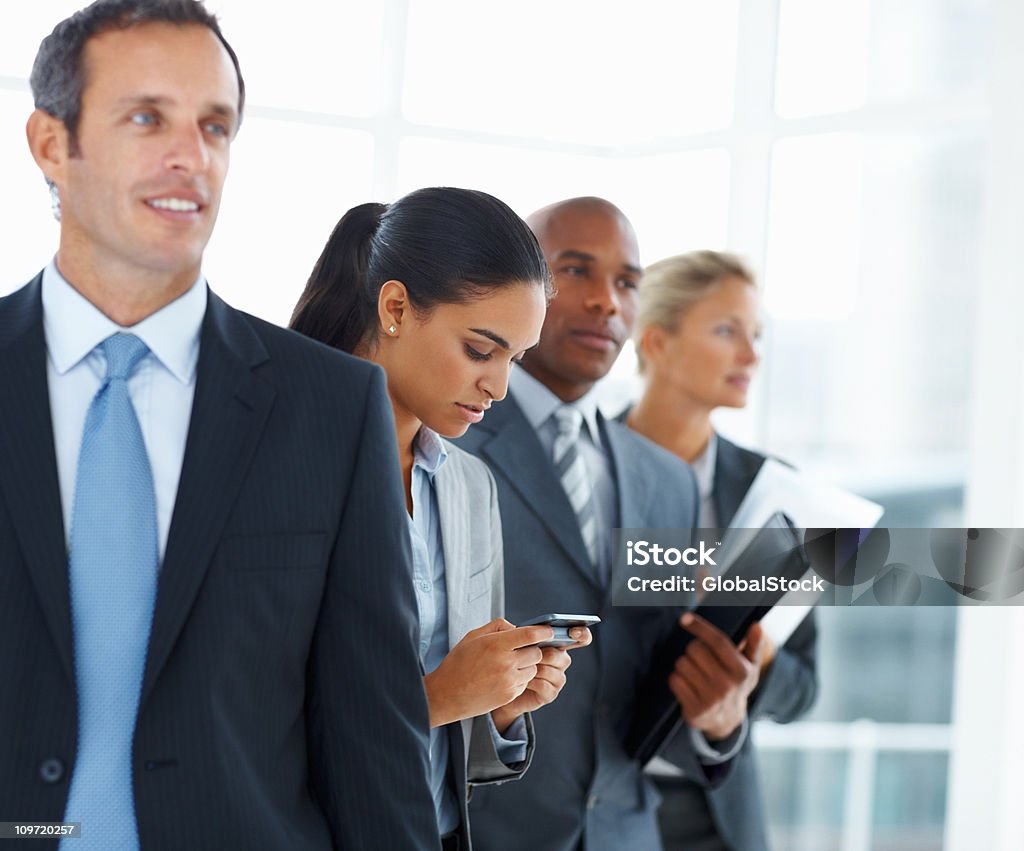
<point>161,387</point>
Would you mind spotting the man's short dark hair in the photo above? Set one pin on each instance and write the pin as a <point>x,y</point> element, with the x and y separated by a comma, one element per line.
<point>58,76</point>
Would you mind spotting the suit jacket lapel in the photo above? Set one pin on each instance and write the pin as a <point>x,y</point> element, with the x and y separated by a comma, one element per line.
<point>30,482</point>
<point>632,489</point>
<point>229,413</point>
<point>517,452</point>
<point>735,471</point>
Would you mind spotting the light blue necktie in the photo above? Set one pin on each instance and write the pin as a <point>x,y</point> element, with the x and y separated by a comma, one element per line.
<point>113,587</point>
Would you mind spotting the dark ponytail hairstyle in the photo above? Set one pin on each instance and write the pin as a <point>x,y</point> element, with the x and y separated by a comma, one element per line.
<point>446,245</point>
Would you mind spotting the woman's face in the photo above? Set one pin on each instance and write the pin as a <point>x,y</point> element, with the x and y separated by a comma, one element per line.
<point>446,368</point>
<point>711,356</point>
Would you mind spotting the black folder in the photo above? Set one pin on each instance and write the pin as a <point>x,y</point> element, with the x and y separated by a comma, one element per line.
<point>774,551</point>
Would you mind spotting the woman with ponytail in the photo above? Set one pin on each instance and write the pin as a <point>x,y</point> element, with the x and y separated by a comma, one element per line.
<point>446,289</point>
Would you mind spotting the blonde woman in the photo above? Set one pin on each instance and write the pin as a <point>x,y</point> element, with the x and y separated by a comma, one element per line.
<point>696,337</point>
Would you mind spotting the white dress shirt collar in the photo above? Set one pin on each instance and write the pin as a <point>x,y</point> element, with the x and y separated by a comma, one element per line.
<point>74,326</point>
<point>539,403</point>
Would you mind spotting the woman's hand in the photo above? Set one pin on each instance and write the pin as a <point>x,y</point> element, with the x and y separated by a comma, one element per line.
<point>490,667</point>
<point>544,687</point>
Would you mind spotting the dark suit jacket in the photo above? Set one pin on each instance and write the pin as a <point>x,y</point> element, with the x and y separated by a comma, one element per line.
<point>282,705</point>
<point>787,690</point>
<point>581,786</point>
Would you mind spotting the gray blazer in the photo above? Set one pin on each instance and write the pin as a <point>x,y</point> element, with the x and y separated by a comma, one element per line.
<point>467,501</point>
<point>582,787</point>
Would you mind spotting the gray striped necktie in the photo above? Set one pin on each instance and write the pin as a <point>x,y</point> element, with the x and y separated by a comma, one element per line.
<point>572,472</point>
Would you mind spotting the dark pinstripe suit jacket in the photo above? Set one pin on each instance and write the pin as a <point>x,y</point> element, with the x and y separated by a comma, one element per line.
<point>282,705</point>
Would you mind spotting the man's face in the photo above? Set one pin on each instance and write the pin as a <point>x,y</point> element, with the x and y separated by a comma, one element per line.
<point>159,110</point>
<point>593,256</point>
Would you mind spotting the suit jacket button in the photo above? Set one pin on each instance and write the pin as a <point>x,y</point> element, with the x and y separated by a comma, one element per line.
<point>51,770</point>
<point>592,802</point>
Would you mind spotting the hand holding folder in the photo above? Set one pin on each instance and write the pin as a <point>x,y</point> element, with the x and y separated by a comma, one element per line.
<point>774,550</point>
<point>713,678</point>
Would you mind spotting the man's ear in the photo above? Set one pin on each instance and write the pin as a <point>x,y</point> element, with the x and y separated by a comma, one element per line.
<point>48,141</point>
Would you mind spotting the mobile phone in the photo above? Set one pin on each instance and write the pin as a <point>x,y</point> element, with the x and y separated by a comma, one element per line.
<point>561,624</point>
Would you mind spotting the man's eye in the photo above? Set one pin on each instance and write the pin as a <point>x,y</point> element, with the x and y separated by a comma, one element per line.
<point>724,330</point>
<point>143,119</point>
<point>475,355</point>
<point>628,284</point>
<point>217,128</point>
<point>573,271</point>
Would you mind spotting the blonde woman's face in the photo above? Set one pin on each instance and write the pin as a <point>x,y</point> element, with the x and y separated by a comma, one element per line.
<point>711,356</point>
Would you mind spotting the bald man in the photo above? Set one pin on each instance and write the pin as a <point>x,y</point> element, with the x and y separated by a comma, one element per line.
<point>583,791</point>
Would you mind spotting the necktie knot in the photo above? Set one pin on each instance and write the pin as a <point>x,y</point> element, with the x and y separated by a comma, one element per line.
<point>123,353</point>
<point>569,422</point>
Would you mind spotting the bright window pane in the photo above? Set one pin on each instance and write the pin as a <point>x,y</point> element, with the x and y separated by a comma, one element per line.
<point>928,48</point>
<point>822,60</point>
<point>308,55</point>
<point>878,242</point>
<point>838,55</point>
<point>676,202</point>
<point>25,27</point>
<point>28,231</point>
<point>279,207</point>
<point>577,70</point>
<point>814,225</point>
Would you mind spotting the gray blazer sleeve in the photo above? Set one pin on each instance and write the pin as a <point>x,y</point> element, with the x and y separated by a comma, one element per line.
<point>790,685</point>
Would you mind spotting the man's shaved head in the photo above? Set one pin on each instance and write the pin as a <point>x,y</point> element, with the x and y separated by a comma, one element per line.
<point>591,249</point>
<point>543,218</point>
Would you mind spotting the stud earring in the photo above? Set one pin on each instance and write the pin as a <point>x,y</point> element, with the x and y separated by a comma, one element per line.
<point>391,329</point>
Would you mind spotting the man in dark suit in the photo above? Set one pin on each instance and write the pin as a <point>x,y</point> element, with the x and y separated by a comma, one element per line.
<point>206,613</point>
<point>566,477</point>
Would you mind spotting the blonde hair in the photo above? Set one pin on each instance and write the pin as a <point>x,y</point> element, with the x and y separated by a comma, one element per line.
<point>672,285</point>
